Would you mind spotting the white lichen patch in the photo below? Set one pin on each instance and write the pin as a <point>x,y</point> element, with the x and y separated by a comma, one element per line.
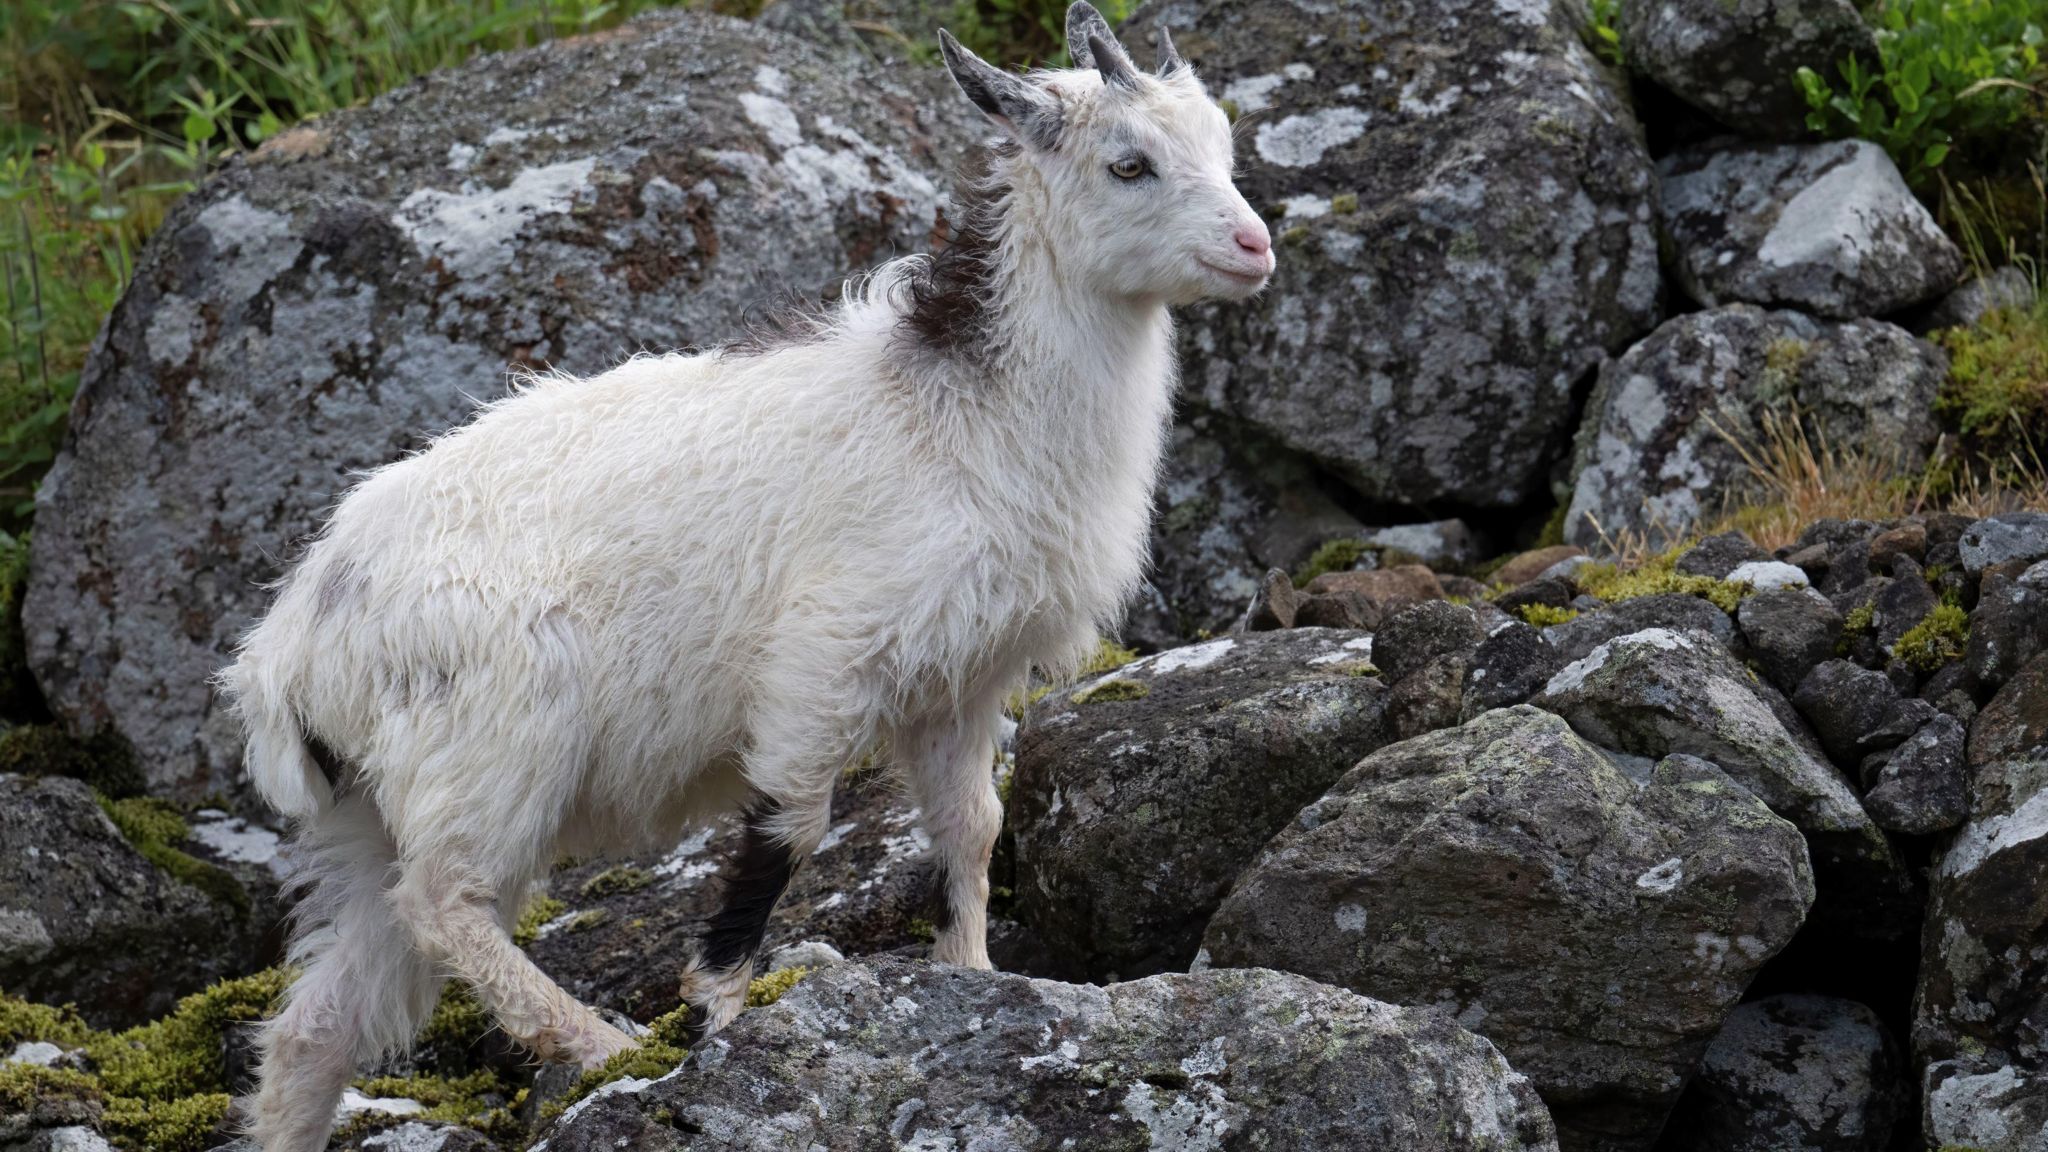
<point>834,836</point>
<point>235,839</point>
<point>471,231</point>
<point>174,330</point>
<point>1350,918</point>
<point>261,242</point>
<point>1305,207</point>
<point>1196,1121</point>
<point>74,1138</point>
<point>1664,877</point>
<point>1765,575</point>
<point>688,862</point>
<point>1191,657</point>
<point>411,1136</point>
<point>1065,1058</point>
<point>354,1103</point>
<point>773,117</point>
<point>1984,838</point>
<point>1300,141</point>
<point>40,1053</point>
<point>1843,217</point>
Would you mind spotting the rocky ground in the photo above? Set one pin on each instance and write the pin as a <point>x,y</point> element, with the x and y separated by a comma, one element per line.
<point>1391,828</point>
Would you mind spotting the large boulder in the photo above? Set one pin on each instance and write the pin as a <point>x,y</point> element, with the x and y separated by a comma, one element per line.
<point>939,1057</point>
<point>1463,208</point>
<point>1655,455</point>
<point>1140,795</point>
<point>1830,229</point>
<point>364,280</point>
<point>1596,927</point>
<point>1737,60</point>
<point>1658,692</point>
<point>87,919</point>
<point>1793,1073</point>
<point>1979,1027</point>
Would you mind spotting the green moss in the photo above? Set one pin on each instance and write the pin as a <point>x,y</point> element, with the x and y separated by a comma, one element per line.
<point>1657,577</point>
<point>1783,360</point>
<point>1545,616</point>
<point>537,912</point>
<point>923,929</point>
<point>1860,620</point>
<point>766,990</point>
<point>22,1021</point>
<point>21,1085</point>
<point>1360,668</point>
<point>1113,690</point>
<point>1997,386</point>
<point>105,761</point>
<point>617,882</point>
<point>155,829</point>
<point>1295,236</point>
<point>454,1099</point>
<point>1339,555</point>
<point>1108,657</point>
<point>179,1055</point>
<point>186,1124</point>
<point>585,921</point>
<point>1344,203</point>
<point>457,1025</point>
<point>1938,639</point>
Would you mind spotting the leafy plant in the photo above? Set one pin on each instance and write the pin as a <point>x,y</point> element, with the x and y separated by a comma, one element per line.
<point>1949,74</point>
<point>1601,36</point>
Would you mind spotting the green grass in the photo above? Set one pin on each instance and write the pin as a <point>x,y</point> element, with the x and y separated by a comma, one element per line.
<point>1997,386</point>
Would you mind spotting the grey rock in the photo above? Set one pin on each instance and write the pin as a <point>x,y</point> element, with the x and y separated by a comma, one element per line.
<point>1576,638</point>
<point>1903,603</point>
<point>1793,1073</point>
<point>1416,634</point>
<point>1512,664</point>
<point>1660,692</point>
<point>939,1057</point>
<point>1465,228</point>
<point>1984,966</point>
<point>1654,453</point>
<point>1829,228</point>
<point>1438,543</point>
<point>1719,554</point>
<point>1429,698</point>
<point>1231,505</point>
<point>86,919</point>
<point>1132,817</point>
<point>2008,628</point>
<point>1544,591</point>
<point>362,281</point>
<point>1856,711</point>
<point>1790,632</point>
<point>1596,929</point>
<point>2006,288</point>
<point>2014,725</point>
<point>1923,787</point>
<point>1737,61</point>
<point>2021,536</point>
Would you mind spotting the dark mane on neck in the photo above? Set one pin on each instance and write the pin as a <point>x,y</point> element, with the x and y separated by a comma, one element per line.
<point>953,297</point>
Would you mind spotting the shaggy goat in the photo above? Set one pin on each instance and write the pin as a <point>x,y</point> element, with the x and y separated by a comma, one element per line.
<point>608,609</point>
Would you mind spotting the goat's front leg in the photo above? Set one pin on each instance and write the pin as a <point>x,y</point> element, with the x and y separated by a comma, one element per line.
<point>949,761</point>
<point>771,848</point>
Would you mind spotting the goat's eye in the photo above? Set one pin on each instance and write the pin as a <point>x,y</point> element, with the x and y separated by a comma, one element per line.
<point>1129,168</point>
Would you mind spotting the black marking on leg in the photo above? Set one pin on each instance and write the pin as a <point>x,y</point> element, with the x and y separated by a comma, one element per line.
<point>942,914</point>
<point>755,879</point>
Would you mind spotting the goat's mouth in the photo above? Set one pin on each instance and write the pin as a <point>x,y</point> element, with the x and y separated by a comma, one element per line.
<point>1242,277</point>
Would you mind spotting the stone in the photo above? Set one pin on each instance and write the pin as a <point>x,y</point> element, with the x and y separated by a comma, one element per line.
<point>1416,634</point>
<point>2012,536</point>
<point>1465,215</point>
<point>1902,604</point>
<point>628,926</point>
<point>1737,62</point>
<point>1275,604</point>
<point>1828,228</point>
<point>1768,575</point>
<point>1429,698</point>
<point>1597,929</point>
<point>1527,566</point>
<point>940,1057</point>
<point>1546,591</point>
<point>319,307</point>
<point>1657,692</point>
<point>1923,787</point>
<point>1437,544</point>
<point>2005,288</point>
<point>1718,555</point>
<point>2014,724</point>
<point>1908,539</point>
<point>1132,817</point>
<point>1977,1026</point>
<point>1658,448</point>
<point>1789,632</point>
<point>1512,664</point>
<point>87,919</point>
<point>1230,506</point>
<point>1575,639</point>
<point>1856,711</point>
<point>1793,1073</point>
<point>1387,588</point>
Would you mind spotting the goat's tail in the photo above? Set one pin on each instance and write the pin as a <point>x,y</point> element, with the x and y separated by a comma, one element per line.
<point>278,757</point>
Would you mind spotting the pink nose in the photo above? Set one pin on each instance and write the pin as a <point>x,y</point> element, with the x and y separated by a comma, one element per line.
<point>1254,239</point>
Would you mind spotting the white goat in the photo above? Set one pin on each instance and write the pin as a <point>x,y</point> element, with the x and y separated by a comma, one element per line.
<point>607,609</point>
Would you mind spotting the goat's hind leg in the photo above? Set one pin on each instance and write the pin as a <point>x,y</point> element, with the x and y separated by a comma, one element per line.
<point>362,992</point>
<point>949,761</point>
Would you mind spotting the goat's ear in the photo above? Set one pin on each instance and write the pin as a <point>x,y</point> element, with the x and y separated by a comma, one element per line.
<point>1092,44</point>
<point>1170,60</point>
<point>1021,108</point>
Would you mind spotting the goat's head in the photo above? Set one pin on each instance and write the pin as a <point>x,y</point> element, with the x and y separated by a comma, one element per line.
<point>1131,170</point>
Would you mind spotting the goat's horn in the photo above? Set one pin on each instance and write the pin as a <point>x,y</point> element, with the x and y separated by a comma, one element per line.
<point>1170,60</point>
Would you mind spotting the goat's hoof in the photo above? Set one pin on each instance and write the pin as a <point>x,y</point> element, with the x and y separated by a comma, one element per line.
<point>603,1043</point>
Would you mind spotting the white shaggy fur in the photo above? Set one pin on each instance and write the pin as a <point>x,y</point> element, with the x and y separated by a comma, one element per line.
<point>610,608</point>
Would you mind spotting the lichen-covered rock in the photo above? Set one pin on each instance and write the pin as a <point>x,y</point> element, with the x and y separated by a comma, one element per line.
<point>1658,692</point>
<point>1793,1073</point>
<point>2008,628</point>
<point>622,930</point>
<point>1231,506</point>
<point>1736,60</point>
<point>2014,725</point>
<point>1512,664</point>
<point>1654,453</point>
<point>1978,1024</point>
<point>1790,632</point>
<point>2013,536</point>
<point>1419,633</point>
<point>87,919</point>
<point>1830,228</point>
<point>1923,786</point>
<point>1139,796</point>
<point>363,280</point>
<point>1597,929</point>
<point>1718,555</point>
<point>2006,287</point>
<point>1576,638</point>
<point>895,1054</point>
<point>1463,209</point>
<point>1857,711</point>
